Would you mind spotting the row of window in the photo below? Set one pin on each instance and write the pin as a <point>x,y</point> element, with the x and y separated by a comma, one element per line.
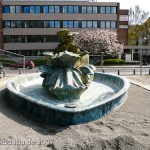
<point>30,52</point>
<point>30,38</point>
<point>61,9</point>
<point>59,24</point>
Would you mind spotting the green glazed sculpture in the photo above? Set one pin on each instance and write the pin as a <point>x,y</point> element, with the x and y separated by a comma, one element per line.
<point>68,72</point>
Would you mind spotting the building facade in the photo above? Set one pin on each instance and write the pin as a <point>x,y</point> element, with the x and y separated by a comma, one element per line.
<point>29,27</point>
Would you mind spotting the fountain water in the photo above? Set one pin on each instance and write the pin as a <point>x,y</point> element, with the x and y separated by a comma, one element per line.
<point>71,92</point>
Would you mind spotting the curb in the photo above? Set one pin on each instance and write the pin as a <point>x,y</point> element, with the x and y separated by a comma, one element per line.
<point>147,87</point>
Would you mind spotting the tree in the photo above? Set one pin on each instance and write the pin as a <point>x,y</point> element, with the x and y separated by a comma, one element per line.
<point>137,16</point>
<point>137,27</point>
<point>98,42</point>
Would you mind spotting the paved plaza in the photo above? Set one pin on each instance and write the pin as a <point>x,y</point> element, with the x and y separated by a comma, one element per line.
<point>127,128</point>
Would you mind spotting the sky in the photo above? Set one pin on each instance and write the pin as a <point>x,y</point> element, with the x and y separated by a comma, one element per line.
<point>127,4</point>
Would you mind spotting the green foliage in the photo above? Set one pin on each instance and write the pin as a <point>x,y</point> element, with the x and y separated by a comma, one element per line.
<point>137,25</point>
<point>39,62</point>
<point>6,62</point>
<point>113,61</point>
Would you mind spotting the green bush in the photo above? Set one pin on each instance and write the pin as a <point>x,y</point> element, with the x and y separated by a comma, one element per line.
<point>113,61</point>
<point>39,62</point>
<point>6,62</point>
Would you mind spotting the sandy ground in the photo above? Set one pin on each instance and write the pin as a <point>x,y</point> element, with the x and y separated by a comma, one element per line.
<point>127,128</point>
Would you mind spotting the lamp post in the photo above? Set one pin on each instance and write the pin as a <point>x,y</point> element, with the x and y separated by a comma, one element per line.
<point>140,42</point>
<point>141,53</point>
<point>102,61</point>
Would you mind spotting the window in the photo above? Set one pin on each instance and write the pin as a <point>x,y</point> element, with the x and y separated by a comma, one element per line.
<point>51,23</point>
<point>39,24</point>
<point>57,9</point>
<point>89,9</point>
<point>94,10</point>
<point>32,24</point>
<point>70,9</point>
<point>34,9</point>
<point>45,9</point>
<point>47,38</point>
<point>7,39</point>
<point>18,9</point>
<point>76,24</point>
<point>107,10</point>
<point>94,24</point>
<point>26,24</point>
<point>83,24</point>
<point>13,24</point>
<point>7,24</point>
<point>113,24</point>
<point>51,9</point>
<point>113,10</point>
<point>102,10</point>
<point>18,39</point>
<point>52,38</point>
<point>57,24</point>
<point>46,24</point>
<point>12,9</point>
<point>89,24</point>
<point>84,9</point>
<point>65,9</point>
<point>37,9</point>
<point>64,24</point>
<point>26,9</point>
<point>31,9</point>
<point>6,9</point>
<point>107,24</point>
<point>18,24</point>
<point>102,23</point>
<point>76,9</point>
<point>34,38</point>
<point>70,25</point>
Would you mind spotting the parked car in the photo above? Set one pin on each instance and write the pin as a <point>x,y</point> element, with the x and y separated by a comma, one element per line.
<point>28,64</point>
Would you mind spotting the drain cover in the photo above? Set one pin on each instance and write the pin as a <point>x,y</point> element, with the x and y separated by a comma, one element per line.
<point>70,105</point>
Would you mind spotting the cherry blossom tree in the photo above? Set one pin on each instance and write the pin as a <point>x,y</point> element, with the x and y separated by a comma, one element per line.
<point>99,41</point>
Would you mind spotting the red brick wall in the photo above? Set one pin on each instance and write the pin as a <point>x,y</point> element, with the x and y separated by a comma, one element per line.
<point>123,32</point>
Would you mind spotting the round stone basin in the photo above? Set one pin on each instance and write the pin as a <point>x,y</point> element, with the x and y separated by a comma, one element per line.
<point>105,93</point>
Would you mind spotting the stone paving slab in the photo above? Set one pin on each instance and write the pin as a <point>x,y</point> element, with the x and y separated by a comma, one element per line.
<point>142,81</point>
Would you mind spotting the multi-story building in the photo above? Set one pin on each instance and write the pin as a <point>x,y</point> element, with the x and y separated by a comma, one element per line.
<point>29,27</point>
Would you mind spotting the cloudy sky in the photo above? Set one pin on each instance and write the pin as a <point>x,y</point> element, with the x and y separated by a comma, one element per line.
<point>126,4</point>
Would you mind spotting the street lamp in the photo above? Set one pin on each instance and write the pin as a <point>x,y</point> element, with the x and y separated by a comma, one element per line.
<point>141,53</point>
<point>102,61</point>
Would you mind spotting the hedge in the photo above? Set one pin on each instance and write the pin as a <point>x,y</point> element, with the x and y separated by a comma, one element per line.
<point>39,62</point>
<point>6,62</point>
<point>113,61</point>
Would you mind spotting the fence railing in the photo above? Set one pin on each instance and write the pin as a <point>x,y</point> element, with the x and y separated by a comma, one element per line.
<point>6,55</point>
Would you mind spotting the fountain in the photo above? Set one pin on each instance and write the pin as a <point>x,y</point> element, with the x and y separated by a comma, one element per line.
<point>69,90</point>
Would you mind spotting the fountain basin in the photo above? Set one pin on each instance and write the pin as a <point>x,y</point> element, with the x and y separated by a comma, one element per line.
<point>106,93</point>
